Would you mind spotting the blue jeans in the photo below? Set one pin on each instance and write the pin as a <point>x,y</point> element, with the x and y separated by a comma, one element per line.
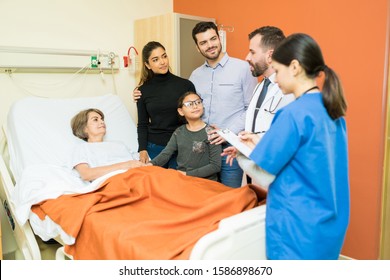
<point>230,175</point>
<point>154,150</point>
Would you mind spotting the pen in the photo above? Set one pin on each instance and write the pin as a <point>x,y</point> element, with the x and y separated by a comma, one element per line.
<point>258,132</point>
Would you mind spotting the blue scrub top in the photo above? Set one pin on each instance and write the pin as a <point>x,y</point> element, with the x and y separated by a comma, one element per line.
<point>308,203</point>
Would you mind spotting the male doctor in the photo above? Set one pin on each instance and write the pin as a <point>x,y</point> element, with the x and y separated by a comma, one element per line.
<point>260,113</point>
<point>262,43</point>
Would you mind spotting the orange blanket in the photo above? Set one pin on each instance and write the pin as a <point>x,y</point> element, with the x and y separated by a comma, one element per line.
<point>145,213</point>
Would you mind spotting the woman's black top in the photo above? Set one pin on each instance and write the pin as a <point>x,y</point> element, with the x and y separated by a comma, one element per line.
<point>157,108</point>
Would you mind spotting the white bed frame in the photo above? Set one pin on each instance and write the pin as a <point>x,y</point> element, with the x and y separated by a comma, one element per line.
<point>25,238</point>
<point>241,236</point>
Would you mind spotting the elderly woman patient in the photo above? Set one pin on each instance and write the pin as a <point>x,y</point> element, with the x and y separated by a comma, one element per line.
<point>95,157</point>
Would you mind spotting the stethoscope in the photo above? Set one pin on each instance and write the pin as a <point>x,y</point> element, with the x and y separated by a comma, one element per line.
<point>272,109</point>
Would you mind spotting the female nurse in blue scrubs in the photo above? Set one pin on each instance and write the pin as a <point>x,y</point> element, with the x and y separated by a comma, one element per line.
<point>303,158</point>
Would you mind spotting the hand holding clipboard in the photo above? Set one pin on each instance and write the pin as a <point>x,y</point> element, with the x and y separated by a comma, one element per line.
<point>239,141</point>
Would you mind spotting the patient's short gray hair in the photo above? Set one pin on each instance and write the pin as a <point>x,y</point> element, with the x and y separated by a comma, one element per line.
<point>79,122</point>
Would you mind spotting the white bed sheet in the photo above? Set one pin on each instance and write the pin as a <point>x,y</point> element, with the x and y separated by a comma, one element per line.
<point>45,181</point>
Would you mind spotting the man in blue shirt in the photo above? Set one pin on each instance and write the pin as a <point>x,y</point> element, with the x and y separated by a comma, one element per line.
<point>226,86</point>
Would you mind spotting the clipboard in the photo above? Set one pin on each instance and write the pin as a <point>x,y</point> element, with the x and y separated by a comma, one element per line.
<point>234,139</point>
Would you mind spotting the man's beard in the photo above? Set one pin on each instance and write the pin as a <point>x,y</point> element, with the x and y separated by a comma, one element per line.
<point>215,56</point>
<point>258,69</point>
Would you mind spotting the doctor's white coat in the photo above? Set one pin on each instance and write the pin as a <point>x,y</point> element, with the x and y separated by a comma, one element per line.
<point>274,100</point>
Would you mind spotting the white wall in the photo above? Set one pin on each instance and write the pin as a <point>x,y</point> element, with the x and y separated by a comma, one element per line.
<point>76,25</point>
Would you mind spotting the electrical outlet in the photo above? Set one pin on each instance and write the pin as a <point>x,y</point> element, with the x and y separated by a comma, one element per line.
<point>103,62</point>
<point>108,61</point>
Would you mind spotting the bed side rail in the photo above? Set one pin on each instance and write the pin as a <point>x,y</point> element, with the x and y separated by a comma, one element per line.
<point>24,236</point>
<point>239,237</point>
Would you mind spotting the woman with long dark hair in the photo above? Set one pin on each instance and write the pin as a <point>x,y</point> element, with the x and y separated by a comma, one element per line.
<point>157,112</point>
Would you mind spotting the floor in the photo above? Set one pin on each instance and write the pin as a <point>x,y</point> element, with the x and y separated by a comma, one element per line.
<point>48,251</point>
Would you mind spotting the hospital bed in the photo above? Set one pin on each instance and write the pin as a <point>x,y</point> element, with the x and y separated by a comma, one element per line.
<point>38,134</point>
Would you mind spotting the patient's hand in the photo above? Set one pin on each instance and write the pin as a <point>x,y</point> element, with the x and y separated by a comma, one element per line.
<point>136,94</point>
<point>133,164</point>
<point>88,173</point>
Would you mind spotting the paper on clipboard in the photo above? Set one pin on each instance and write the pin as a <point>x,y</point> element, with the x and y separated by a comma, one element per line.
<point>233,139</point>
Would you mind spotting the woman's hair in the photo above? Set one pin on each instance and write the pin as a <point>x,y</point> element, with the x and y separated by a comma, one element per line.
<point>203,26</point>
<point>79,122</point>
<point>146,73</point>
<point>307,52</point>
<point>180,102</point>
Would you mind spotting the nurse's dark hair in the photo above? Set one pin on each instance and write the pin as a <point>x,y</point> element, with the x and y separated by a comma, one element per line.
<point>203,26</point>
<point>306,51</point>
<point>146,73</point>
<point>271,36</point>
<point>79,122</point>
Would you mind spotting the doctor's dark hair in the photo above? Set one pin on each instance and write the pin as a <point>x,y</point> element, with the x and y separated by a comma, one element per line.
<point>79,122</point>
<point>306,51</point>
<point>146,73</point>
<point>271,36</point>
<point>203,26</point>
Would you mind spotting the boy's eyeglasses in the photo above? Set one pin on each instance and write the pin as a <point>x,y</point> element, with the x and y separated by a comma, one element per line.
<point>191,104</point>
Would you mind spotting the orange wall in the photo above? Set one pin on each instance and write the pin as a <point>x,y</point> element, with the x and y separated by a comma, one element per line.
<point>353,40</point>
